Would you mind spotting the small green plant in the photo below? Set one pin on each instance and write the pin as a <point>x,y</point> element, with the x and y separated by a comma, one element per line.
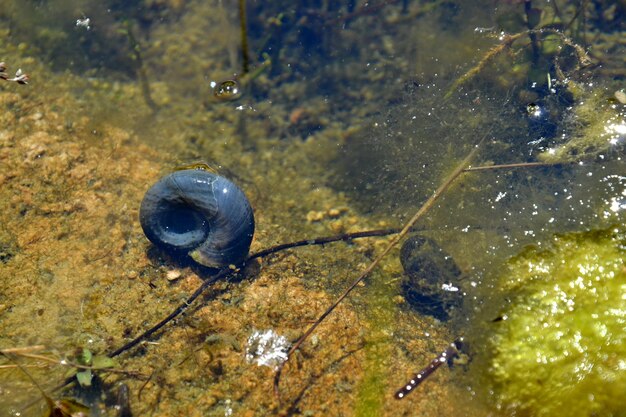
<point>63,407</point>
<point>83,365</point>
<point>90,362</point>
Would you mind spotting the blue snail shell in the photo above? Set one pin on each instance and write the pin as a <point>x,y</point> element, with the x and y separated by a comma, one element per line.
<point>196,213</point>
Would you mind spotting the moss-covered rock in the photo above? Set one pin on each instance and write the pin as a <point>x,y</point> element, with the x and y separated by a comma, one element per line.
<point>561,346</point>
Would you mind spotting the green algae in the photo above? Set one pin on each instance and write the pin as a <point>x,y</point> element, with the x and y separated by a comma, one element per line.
<point>371,390</point>
<point>598,126</point>
<point>561,344</point>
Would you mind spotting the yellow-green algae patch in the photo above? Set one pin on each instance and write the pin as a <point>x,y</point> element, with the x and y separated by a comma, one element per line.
<point>561,346</point>
<point>600,123</point>
<point>380,315</point>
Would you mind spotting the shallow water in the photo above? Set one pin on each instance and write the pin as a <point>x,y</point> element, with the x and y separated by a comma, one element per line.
<point>363,112</point>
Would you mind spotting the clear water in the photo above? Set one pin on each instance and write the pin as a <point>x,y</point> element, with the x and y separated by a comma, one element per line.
<point>363,111</point>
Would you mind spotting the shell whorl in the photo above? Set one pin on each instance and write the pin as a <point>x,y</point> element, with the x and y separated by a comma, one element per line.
<point>199,214</point>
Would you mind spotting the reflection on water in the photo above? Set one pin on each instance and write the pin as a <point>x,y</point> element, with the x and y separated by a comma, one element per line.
<point>346,116</point>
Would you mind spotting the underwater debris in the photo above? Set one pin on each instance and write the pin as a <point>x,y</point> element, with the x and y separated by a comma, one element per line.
<point>267,348</point>
<point>139,67</point>
<point>20,77</point>
<point>243,26</point>
<point>83,23</point>
<point>508,42</point>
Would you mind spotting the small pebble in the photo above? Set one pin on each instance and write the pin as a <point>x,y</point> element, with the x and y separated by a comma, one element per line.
<point>314,216</point>
<point>398,299</point>
<point>173,275</point>
<point>334,213</point>
<point>337,226</point>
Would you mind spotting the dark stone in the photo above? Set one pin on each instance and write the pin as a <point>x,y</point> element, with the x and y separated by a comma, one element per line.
<point>430,277</point>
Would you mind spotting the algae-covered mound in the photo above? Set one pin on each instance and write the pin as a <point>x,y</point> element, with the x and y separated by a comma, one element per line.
<point>561,346</point>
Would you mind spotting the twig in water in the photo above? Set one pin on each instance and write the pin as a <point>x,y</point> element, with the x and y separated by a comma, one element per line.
<point>178,311</point>
<point>56,408</point>
<point>513,166</point>
<point>22,352</point>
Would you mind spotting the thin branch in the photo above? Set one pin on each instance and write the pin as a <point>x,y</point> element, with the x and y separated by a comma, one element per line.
<point>178,311</point>
<point>23,366</point>
<point>513,166</point>
<point>346,237</point>
<point>65,362</point>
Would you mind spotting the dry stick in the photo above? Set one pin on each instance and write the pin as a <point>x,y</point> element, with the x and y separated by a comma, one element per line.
<point>419,214</point>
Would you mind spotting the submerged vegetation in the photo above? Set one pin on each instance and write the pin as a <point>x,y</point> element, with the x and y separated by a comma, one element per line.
<point>560,343</point>
<point>335,117</point>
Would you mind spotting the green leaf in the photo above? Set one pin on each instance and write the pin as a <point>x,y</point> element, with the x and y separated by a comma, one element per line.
<point>84,377</point>
<point>84,357</point>
<point>102,362</point>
